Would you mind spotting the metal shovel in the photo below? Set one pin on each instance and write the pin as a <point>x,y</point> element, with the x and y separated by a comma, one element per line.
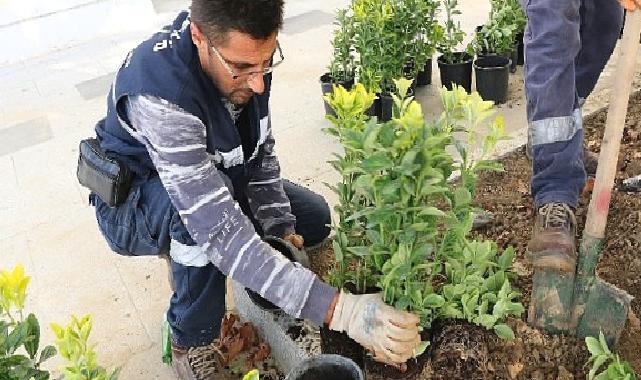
<point>581,303</point>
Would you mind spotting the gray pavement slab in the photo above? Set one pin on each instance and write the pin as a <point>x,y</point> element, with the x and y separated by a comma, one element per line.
<point>25,134</point>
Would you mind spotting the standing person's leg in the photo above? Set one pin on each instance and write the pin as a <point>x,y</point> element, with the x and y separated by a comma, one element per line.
<point>601,22</point>
<point>312,213</point>
<point>552,42</point>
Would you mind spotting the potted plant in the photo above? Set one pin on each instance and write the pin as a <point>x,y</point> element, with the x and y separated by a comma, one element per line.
<point>391,236</point>
<point>455,66</point>
<point>500,34</point>
<point>381,43</point>
<point>418,23</point>
<point>342,65</point>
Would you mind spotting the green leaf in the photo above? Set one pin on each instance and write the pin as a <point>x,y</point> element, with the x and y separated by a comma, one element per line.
<point>434,300</point>
<point>506,259</point>
<point>598,362</point>
<point>462,196</point>
<point>594,346</point>
<point>604,344</point>
<point>377,162</point>
<point>504,331</point>
<point>17,337</point>
<point>47,353</point>
<point>431,211</point>
<point>34,334</point>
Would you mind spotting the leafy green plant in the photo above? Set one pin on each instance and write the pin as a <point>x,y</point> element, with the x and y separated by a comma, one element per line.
<point>342,65</point>
<point>20,357</point>
<point>402,227</point>
<point>388,34</point>
<point>451,35</point>
<point>349,123</point>
<point>498,35</point>
<point>610,365</point>
<point>73,343</point>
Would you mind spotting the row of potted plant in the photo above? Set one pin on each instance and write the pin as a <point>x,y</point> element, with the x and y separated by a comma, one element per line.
<point>403,229</point>
<point>376,41</point>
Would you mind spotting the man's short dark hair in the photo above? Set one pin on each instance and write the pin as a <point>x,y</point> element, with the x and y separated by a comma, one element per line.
<point>258,18</point>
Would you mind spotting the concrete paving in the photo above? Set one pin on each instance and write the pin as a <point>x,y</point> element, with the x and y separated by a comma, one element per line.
<point>55,68</point>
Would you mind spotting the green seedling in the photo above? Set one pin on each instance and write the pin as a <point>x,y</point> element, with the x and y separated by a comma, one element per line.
<point>606,365</point>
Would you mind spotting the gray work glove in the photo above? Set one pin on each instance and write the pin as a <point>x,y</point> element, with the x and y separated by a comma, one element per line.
<point>391,335</point>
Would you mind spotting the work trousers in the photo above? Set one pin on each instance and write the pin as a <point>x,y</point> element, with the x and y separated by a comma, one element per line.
<point>567,44</point>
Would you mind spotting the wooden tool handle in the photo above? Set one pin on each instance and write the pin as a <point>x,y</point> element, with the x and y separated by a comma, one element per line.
<point>621,86</point>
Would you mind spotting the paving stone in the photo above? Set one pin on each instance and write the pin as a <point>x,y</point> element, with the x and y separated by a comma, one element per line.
<point>307,21</point>
<point>24,135</point>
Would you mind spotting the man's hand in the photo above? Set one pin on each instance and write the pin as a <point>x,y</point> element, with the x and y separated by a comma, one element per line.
<point>295,239</point>
<point>630,5</point>
<point>391,335</point>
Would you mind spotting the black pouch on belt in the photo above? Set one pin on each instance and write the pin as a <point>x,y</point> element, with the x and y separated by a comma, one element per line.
<point>105,176</point>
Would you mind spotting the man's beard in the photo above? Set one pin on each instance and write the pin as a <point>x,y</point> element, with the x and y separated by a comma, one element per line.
<point>240,97</point>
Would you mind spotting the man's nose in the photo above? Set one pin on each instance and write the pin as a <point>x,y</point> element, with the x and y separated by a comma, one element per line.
<point>256,83</point>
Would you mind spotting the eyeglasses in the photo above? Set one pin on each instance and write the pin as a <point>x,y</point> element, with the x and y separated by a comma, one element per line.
<point>250,74</point>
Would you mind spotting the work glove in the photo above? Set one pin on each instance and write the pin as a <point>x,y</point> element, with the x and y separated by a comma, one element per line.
<point>630,5</point>
<point>389,334</point>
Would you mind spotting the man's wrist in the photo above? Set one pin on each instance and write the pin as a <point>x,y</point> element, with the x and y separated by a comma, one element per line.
<point>330,311</point>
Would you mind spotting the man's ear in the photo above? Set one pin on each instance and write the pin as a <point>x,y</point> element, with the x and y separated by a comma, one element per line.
<point>196,34</point>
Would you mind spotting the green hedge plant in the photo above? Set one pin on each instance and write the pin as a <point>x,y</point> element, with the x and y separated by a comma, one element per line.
<point>402,227</point>
<point>20,354</point>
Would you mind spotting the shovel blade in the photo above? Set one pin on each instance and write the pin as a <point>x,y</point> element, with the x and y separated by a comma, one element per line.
<point>551,301</point>
<point>606,310</point>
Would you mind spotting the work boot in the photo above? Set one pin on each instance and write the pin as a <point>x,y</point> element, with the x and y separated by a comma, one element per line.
<point>553,239</point>
<point>197,363</point>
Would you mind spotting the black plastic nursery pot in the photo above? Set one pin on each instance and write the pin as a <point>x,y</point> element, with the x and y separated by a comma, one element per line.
<point>514,59</point>
<point>386,104</point>
<point>381,108</point>
<point>520,50</point>
<point>459,73</point>
<point>327,83</point>
<point>424,76</point>
<point>330,367</point>
<point>492,77</point>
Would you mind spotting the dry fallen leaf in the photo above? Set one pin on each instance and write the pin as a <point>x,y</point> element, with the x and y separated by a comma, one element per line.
<point>233,346</point>
<point>262,352</point>
<point>248,334</point>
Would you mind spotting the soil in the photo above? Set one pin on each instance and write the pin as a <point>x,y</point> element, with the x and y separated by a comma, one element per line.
<point>459,351</point>
<point>333,342</point>
<point>534,355</point>
<point>507,195</point>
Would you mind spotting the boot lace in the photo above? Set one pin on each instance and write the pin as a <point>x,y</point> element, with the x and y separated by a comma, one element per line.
<point>205,361</point>
<point>558,215</point>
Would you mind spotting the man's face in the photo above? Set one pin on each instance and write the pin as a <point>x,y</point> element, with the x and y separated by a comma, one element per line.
<point>239,55</point>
